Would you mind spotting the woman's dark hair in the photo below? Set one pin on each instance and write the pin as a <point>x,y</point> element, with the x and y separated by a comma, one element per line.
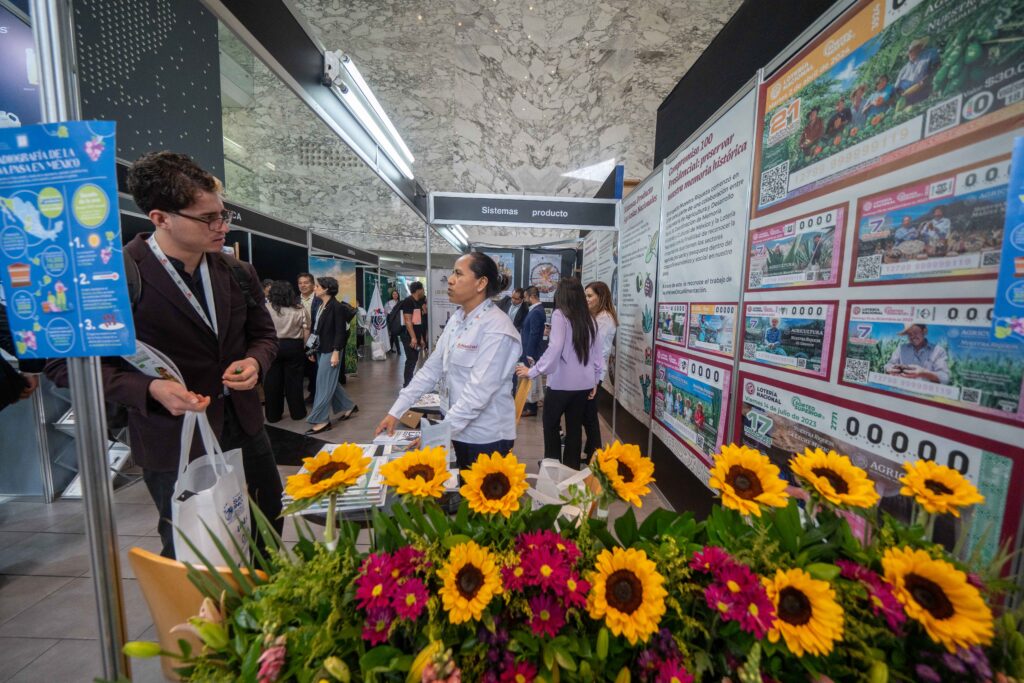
<point>483,265</point>
<point>604,299</point>
<point>329,285</point>
<point>572,302</point>
<point>281,295</point>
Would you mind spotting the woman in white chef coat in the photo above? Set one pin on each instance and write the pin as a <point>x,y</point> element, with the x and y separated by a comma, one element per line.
<point>474,363</point>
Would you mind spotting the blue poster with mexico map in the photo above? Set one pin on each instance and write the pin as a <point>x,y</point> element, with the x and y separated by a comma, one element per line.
<point>60,241</point>
<point>1009,302</point>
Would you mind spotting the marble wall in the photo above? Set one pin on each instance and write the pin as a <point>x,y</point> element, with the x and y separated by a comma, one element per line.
<point>490,96</point>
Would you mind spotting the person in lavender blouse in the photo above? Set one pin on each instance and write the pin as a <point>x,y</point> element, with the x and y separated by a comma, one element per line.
<point>573,365</point>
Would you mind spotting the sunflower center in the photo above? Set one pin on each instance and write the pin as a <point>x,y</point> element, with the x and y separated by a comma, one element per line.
<point>930,596</point>
<point>495,486</point>
<point>327,471</point>
<point>424,472</point>
<point>468,581</point>
<point>624,591</point>
<point>839,484</point>
<point>625,472</point>
<point>744,482</point>
<point>937,487</point>
<point>794,607</point>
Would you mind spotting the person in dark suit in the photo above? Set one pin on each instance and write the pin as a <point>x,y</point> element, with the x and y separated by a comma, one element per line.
<point>532,332</point>
<point>517,308</point>
<point>194,310</point>
<point>330,325</point>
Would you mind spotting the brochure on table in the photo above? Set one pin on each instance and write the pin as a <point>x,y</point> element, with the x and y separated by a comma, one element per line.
<point>874,248</point>
<point>706,199</point>
<point>60,241</point>
<point>638,258</point>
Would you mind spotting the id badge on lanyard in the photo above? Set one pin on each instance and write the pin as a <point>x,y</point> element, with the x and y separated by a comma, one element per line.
<point>204,273</point>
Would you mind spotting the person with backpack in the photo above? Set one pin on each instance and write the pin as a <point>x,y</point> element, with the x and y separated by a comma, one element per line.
<point>412,331</point>
<point>393,322</point>
<point>204,310</point>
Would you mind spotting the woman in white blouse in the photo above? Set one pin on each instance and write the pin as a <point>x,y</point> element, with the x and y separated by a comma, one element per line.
<point>473,363</point>
<point>599,301</point>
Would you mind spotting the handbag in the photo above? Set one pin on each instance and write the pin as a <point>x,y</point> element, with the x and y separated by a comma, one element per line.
<point>312,344</point>
<point>210,499</point>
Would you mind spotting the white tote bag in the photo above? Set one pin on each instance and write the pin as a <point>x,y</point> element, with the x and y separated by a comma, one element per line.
<point>211,489</point>
<point>553,480</point>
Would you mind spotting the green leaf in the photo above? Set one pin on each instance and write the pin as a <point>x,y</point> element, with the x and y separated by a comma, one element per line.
<point>625,528</point>
<point>454,540</point>
<point>545,517</point>
<point>600,531</point>
<point>378,659</point>
<point>564,659</point>
<point>822,571</point>
<point>250,663</point>
<point>549,657</point>
<point>245,620</point>
<point>438,519</point>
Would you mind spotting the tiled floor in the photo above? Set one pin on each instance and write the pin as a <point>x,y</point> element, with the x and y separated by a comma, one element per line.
<point>47,605</point>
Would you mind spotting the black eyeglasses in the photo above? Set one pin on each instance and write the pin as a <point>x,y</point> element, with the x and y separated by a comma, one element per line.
<point>226,218</point>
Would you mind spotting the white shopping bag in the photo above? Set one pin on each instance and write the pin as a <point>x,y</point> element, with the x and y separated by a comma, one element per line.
<point>211,489</point>
<point>378,350</point>
<point>553,481</point>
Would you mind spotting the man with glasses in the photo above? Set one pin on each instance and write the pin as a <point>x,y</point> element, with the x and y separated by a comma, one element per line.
<point>192,307</point>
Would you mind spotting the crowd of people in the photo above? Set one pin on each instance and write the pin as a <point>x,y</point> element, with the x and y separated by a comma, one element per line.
<point>227,332</point>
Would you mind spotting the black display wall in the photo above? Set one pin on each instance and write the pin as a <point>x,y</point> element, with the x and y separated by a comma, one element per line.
<point>154,67</point>
<point>755,35</point>
<point>278,260</point>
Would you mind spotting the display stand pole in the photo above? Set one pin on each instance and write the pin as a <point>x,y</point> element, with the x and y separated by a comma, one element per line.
<point>53,30</point>
<point>430,299</point>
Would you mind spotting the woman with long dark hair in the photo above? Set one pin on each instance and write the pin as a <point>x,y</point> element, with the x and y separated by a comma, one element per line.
<point>331,329</point>
<point>473,362</point>
<point>599,302</point>
<point>572,365</point>
<point>284,378</point>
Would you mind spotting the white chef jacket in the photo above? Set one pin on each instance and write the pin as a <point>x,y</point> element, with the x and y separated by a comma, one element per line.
<point>606,332</point>
<point>476,360</point>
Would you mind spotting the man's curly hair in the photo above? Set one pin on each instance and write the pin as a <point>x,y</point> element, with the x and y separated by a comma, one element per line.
<point>168,181</point>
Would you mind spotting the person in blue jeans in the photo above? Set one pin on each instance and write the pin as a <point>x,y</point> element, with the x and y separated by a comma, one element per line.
<point>331,329</point>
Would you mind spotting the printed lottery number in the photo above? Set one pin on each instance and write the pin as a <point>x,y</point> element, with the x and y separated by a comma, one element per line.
<point>902,444</point>
<point>989,175</point>
<point>824,219</point>
<point>704,372</point>
<point>802,310</point>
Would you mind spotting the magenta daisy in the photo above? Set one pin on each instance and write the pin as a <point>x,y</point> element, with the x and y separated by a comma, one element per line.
<point>711,560</point>
<point>520,672</point>
<point>548,615</point>
<point>514,577</point>
<point>755,612</point>
<point>575,590</point>
<point>374,590</point>
<point>673,672</point>
<point>880,594</point>
<point>405,561</point>
<point>410,599</point>
<point>378,624</point>
<point>546,569</point>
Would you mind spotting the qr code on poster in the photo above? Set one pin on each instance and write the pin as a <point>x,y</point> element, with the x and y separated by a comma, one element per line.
<point>868,268</point>
<point>801,363</point>
<point>856,371</point>
<point>775,183</point>
<point>755,279</point>
<point>970,396</point>
<point>942,116</point>
<point>990,258</point>
<point>749,351</point>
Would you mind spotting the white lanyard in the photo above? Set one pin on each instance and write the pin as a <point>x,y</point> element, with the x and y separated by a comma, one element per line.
<point>204,273</point>
<point>316,321</point>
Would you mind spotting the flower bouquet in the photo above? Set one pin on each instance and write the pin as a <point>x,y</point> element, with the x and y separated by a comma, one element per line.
<point>774,586</point>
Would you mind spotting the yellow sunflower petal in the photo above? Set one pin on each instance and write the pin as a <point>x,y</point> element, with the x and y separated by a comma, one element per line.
<point>835,478</point>
<point>421,473</point>
<point>494,484</point>
<point>747,480</point>
<point>808,617</point>
<point>471,578</point>
<point>628,472</point>
<point>628,593</point>
<point>938,596</point>
<point>937,488</point>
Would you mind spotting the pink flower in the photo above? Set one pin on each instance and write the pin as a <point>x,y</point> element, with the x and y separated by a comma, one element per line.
<point>521,672</point>
<point>410,599</point>
<point>738,596</point>
<point>711,560</point>
<point>514,577</point>
<point>546,569</point>
<point>405,561</point>
<point>374,590</point>
<point>575,592</point>
<point>548,615</point>
<point>880,594</point>
<point>378,626</point>
<point>272,661</point>
<point>673,672</point>
<point>532,540</point>
<point>94,148</point>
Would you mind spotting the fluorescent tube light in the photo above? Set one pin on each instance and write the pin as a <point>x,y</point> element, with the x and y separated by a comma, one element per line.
<point>462,233</point>
<point>350,67</point>
<point>355,105</point>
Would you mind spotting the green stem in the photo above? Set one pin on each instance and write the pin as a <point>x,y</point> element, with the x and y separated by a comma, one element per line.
<point>329,536</point>
<point>929,526</point>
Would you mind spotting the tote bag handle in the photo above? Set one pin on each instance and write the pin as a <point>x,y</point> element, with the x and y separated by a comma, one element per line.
<point>211,445</point>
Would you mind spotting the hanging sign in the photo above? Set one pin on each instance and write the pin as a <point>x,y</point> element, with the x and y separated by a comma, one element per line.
<point>450,208</point>
<point>60,241</point>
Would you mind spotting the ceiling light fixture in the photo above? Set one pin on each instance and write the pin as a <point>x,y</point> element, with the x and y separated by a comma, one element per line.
<point>461,232</point>
<point>344,79</point>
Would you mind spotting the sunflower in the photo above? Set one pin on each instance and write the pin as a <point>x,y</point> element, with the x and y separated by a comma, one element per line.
<point>807,615</point>
<point>937,488</point>
<point>939,596</point>
<point>747,480</point>
<point>627,592</point>
<point>328,472</point>
<point>421,473</point>
<point>835,478</point>
<point>471,579</point>
<point>494,484</point>
<point>628,472</point>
